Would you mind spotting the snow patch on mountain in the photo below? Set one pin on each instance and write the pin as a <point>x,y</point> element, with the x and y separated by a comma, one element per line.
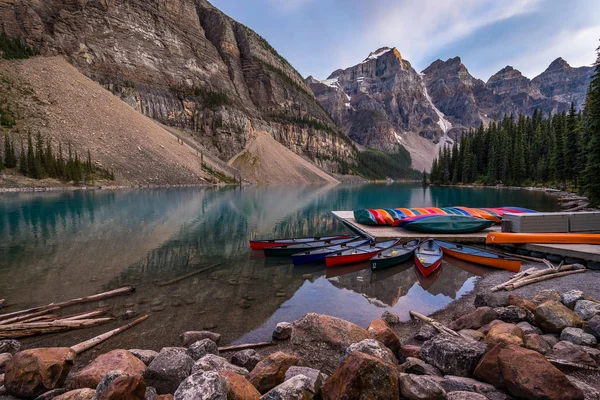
<point>444,124</point>
<point>377,54</point>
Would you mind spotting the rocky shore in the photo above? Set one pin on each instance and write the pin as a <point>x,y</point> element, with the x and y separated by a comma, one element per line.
<point>508,346</point>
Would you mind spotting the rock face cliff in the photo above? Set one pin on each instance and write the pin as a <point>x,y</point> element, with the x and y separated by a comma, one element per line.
<point>186,65</point>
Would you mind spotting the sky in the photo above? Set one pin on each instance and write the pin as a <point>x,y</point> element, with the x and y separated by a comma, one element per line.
<point>319,36</point>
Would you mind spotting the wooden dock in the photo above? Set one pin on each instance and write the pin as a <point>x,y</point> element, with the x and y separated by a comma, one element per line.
<point>381,233</point>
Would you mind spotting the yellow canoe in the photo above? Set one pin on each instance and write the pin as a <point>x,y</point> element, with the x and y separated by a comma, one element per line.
<point>558,238</point>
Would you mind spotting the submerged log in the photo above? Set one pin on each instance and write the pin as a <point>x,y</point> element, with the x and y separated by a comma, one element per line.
<point>88,344</point>
<point>180,278</point>
<point>18,330</point>
<point>80,300</point>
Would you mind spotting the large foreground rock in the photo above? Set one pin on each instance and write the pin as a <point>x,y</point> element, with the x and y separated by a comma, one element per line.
<point>380,330</point>
<point>92,373</point>
<point>553,317</point>
<point>168,369</point>
<point>216,386</point>
<point>322,340</point>
<point>270,372</point>
<point>35,371</point>
<point>418,387</point>
<point>452,355</point>
<point>361,376</point>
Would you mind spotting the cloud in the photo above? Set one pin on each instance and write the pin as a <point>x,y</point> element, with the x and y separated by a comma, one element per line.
<point>289,5</point>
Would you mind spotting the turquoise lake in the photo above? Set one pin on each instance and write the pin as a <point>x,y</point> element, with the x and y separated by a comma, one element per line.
<point>56,246</point>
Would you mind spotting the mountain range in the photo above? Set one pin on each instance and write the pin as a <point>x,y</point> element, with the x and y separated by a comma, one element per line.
<point>222,87</point>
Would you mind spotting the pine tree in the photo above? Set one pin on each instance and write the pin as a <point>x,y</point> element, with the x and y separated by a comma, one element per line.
<point>571,145</point>
<point>23,164</point>
<point>591,125</point>
<point>49,161</point>
<point>424,181</point>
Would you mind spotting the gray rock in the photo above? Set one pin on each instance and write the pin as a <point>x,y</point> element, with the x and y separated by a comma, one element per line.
<point>589,392</point>
<point>202,386</point>
<point>213,363</point>
<point>151,393</point>
<point>418,367</point>
<point>4,359</point>
<point>10,346</point>
<point>201,348</point>
<point>187,338</point>
<point>592,326</point>
<point>168,369</point>
<point>246,359</point>
<point>426,332</point>
<point>282,331</point>
<point>316,377</point>
<point>551,338</point>
<point>461,384</point>
<point>452,355</point>
<point>146,356</point>
<point>297,387</point>
<point>571,297</point>
<point>49,395</point>
<point>107,380</point>
<point>578,336</point>
<point>491,300</point>
<point>472,334</point>
<point>587,309</point>
<point>417,387</point>
<point>391,318</point>
<point>553,317</point>
<point>529,329</point>
<point>514,314</point>
<point>373,348</point>
<point>465,396</point>
<point>571,352</point>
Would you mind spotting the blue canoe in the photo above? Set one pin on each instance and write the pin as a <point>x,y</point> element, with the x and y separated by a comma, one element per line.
<point>318,255</point>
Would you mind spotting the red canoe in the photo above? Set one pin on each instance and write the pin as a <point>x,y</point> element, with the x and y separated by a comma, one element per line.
<point>428,257</point>
<point>358,254</point>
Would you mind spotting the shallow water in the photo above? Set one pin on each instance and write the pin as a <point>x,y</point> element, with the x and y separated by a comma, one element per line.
<point>58,246</point>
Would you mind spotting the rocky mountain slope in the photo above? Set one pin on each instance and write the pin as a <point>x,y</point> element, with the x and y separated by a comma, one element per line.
<point>186,65</point>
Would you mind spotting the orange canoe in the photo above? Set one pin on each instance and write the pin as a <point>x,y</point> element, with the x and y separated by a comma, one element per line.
<point>558,238</point>
<point>479,256</point>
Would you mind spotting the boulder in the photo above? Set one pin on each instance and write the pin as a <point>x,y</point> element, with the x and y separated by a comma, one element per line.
<point>118,385</point>
<point>380,330</point>
<point>298,387</point>
<point>452,355</point>
<point>505,333</point>
<point>474,320</point>
<point>514,314</point>
<point>573,353</point>
<point>283,331</point>
<point>472,334</point>
<point>587,309</point>
<point>246,359</point>
<point>516,300</point>
<point>426,332</point>
<point>571,297</point>
<point>551,338</point>
<point>546,295</point>
<point>361,376</point>
<point>322,340</point>
<point>214,363</point>
<point>536,343</point>
<point>461,384</point>
<point>527,374</point>
<point>391,318</point>
<point>77,394</point>
<point>418,367</point>
<point>10,346</point>
<point>578,336</point>
<point>589,393</point>
<point>32,372</point>
<point>592,326</point>
<point>316,377</point>
<point>187,338</point>
<point>529,329</point>
<point>145,356</point>
<point>90,375</point>
<point>4,359</point>
<point>201,348</point>
<point>553,317</point>
<point>491,299</point>
<point>488,369</point>
<point>374,348</point>
<point>486,328</point>
<point>465,396</point>
<point>215,386</point>
<point>270,372</point>
<point>168,369</point>
<point>417,387</point>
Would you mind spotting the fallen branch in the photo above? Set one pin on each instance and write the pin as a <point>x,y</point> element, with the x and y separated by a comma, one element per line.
<point>45,317</point>
<point>28,316</point>
<point>88,344</point>
<point>80,300</point>
<point>187,275</point>
<point>517,285</point>
<point>571,364</point>
<point>515,278</point>
<point>441,328</point>
<point>35,328</point>
<point>84,315</point>
<point>246,346</point>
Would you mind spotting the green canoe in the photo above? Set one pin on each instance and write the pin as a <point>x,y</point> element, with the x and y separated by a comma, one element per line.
<point>449,224</point>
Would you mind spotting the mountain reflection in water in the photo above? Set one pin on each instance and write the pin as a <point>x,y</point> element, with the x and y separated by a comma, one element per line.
<point>61,245</point>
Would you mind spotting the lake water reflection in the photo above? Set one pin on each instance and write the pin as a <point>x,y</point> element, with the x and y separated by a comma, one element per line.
<point>57,246</point>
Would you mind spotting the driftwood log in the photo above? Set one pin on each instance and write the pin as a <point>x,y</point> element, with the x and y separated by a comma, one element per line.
<point>246,346</point>
<point>441,328</point>
<point>88,344</point>
<point>28,316</point>
<point>19,330</point>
